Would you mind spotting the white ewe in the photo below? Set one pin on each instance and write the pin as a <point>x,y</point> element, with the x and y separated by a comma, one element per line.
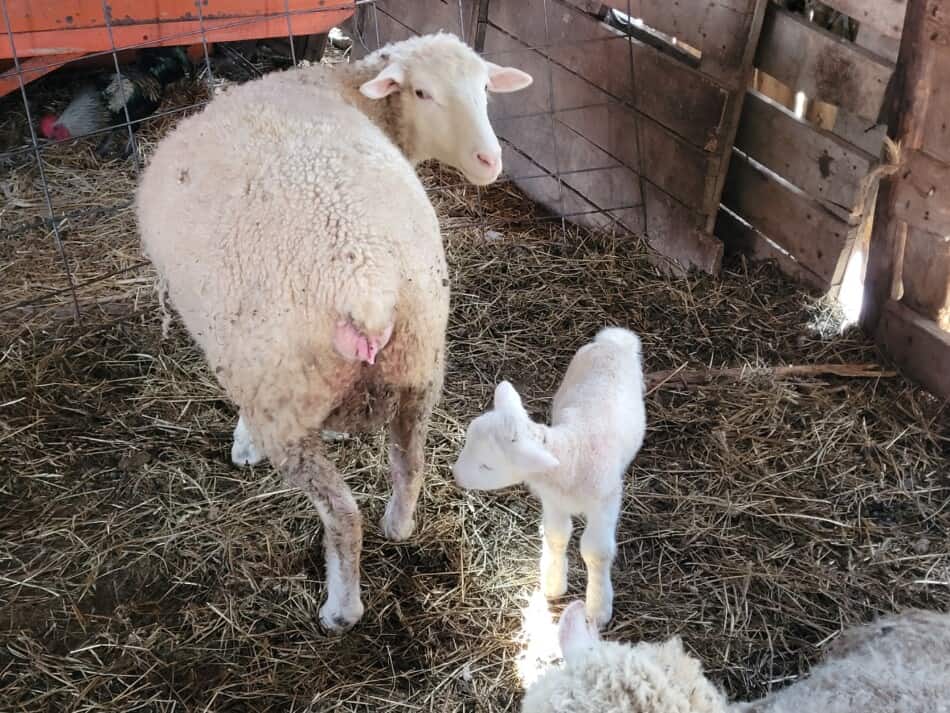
<point>897,664</point>
<point>576,465</point>
<point>302,253</point>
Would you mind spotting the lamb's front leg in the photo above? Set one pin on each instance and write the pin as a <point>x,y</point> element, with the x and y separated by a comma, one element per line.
<point>598,548</point>
<point>243,450</point>
<point>406,460</point>
<point>308,469</point>
<point>555,534</point>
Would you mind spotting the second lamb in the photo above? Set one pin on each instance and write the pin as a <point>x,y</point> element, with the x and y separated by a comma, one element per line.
<point>576,465</point>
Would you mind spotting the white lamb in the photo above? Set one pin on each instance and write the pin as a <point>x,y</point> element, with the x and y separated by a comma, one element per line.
<point>576,465</point>
<point>304,257</point>
<point>897,664</point>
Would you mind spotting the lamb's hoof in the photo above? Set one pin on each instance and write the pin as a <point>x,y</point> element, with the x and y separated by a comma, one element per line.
<point>396,529</point>
<point>599,613</point>
<point>331,436</point>
<point>244,453</point>
<point>336,619</point>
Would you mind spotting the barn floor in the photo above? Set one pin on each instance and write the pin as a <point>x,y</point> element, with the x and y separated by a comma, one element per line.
<point>141,571</point>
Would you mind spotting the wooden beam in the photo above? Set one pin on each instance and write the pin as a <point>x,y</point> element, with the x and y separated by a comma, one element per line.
<point>917,344</point>
<point>827,168</point>
<point>936,132</point>
<point>926,281</point>
<point>821,64</point>
<point>907,119</point>
<point>922,193</point>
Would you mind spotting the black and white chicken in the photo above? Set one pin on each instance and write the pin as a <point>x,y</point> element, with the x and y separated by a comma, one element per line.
<point>104,101</point>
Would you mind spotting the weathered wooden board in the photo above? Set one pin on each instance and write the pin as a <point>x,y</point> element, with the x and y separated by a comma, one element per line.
<point>739,237</point>
<point>799,225</point>
<point>866,134</point>
<point>717,28</point>
<point>936,131</point>
<point>822,65</point>
<point>937,22</point>
<point>918,345</point>
<point>423,17</point>
<point>680,233</point>
<point>825,167</point>
<point>660,87</point>
<point>922,194</point>
<point>885,16</point>
<point>926,276</point>
<point>877,43</point>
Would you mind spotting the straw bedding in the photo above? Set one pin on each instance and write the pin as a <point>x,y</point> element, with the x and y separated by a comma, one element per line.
<point>141,571</point>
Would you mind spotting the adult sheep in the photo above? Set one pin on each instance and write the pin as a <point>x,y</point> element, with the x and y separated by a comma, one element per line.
<point>296,242</point>
<point>898,663</point>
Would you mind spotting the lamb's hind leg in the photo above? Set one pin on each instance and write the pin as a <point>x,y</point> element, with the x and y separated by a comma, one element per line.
<point>407,440</point>
<point>307,468</point>
<point>598,548</point>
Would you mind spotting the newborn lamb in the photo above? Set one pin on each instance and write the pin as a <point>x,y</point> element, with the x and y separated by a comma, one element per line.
<point>576,465</point>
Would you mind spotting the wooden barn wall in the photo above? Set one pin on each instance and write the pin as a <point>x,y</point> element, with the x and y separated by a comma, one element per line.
<point>907,299</point>
<point>801,190</point>
<point>613,131</point>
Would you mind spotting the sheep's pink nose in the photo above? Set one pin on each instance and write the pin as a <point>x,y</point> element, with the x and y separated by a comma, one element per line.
<point>489,161</point>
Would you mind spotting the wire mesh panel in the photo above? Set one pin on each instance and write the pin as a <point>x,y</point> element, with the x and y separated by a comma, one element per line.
<point>630,119</point>
<point>117,85</point>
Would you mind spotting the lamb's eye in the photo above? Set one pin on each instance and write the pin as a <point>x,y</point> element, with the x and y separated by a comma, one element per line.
<point>484,467</point>
<point>420,94</point>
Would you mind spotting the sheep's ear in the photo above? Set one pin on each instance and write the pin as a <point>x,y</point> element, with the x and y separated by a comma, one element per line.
<point>506,79</point>
<point>535,458</point>
<point>574,633</point>
<point>507,399</point>
<point>387,82</point>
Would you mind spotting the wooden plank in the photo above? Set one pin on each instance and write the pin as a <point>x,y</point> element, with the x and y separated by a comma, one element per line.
<point>884,16</point>
<point>937,22</point>
<point>935,138</point>
<point>916,343</point>
<point>825,167</point>
<point>866,134</point>
<point>739,237</point>
<point>877,43</point>
<point>798,225</point>
<point>675,231</point>
<point>674,95</point>
<point>432,15</point>
<point>683,171</point>
<point>719,29</point>
<point>926,280</point>
<point>822,65</point>
<point>922,194</point>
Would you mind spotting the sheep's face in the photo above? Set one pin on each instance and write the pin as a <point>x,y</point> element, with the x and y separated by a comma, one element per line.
<point>499,448</point>
<point>443,89</point>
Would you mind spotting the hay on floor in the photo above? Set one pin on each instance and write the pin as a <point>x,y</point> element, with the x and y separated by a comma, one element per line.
<point>142,572</point>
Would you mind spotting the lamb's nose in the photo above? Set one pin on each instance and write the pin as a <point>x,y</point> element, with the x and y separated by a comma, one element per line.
<point>489,161</point>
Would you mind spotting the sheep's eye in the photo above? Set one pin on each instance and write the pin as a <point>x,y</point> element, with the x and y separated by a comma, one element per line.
<point>422,95</point>
<point>484,467</point>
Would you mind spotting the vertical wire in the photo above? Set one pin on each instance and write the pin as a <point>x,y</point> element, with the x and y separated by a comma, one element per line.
<point>107,15</point>
<point>204,46</point>
<point>557,157</point>
<point>290,33</point>
<point>479,212</point>
<point>639,118</point>
<point>376,24</point>
<point>57,237</point>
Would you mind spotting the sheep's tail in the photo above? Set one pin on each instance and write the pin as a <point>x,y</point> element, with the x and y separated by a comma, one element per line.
<point>619,336</point>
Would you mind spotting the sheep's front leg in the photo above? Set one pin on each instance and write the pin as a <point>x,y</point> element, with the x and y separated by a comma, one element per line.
<point>309,470</point>
<point>555,534</point>
<point>598,548</point>
<point>407,440</point>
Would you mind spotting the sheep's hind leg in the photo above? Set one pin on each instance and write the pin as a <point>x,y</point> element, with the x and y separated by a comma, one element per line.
<point>598,548</point>
<point>407,440</point>
<point>555,534</point>
<point>308,469</point>
<point>243,450</point>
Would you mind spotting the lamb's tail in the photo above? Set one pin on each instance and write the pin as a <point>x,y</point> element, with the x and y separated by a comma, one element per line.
<point>619,336</point>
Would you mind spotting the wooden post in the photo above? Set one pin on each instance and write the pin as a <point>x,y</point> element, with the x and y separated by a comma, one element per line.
<point>916,341</point>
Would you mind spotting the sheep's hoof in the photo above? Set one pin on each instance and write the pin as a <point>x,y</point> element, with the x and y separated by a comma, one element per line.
<point>554,584</point>
<point>336,619</point>
<point>397,529</point>
<point>599,613</point>
<point>244,453</point>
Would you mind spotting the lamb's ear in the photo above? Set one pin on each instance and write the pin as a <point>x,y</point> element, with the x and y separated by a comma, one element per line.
<point>506,79</point>
<point>533,457</point>
<point>387,82</point>
<point>574,633</point>
<point>507,400</point>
